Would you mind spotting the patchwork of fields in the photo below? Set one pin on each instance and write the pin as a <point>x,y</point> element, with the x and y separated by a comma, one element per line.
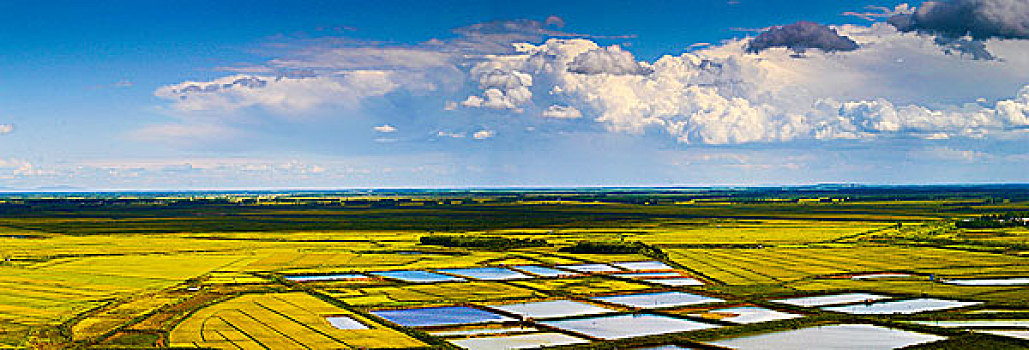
<point>689,273</point>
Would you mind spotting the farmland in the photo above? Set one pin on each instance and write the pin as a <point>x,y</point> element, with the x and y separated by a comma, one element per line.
<point>284,270</point>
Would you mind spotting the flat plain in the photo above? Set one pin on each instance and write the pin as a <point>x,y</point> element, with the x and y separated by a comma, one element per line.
<point>287,270</point>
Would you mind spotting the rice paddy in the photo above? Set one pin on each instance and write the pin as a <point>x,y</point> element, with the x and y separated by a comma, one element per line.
<point>746,314</point>
<point>1017,281</point>
<point>280,321</point>
<point>846,336</point>
<point>738,275</point>
<point>415,276</point>
<point>552,309</point>
<point>657,300</point>
<point>627,326</point>
<point>439,316</point>
<point>524,341</point>
<point>901,306</point>
<point>486,273</point>
<point>824,300</point>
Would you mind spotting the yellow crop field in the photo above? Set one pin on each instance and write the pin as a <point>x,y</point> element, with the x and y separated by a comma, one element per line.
<point>232,278</point>
<point>774,265</point>
<point>280,321</point>
<point>754,231</point>
<point>100,323</point>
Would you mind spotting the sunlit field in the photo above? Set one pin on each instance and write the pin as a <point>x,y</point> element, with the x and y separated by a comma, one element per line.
<point>228,275</point>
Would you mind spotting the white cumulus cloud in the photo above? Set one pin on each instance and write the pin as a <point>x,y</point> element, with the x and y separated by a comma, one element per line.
<point>562,112</point>
<point>483,134</point>
<point>385,128</point>
<point>279,94</point>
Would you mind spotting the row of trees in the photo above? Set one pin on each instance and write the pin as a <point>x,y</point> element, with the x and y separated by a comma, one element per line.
<point>641,248</point>
<point>996,221</point>
<point>490,242</point>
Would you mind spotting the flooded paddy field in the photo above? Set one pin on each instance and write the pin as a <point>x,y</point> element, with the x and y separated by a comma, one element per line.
<point>871,276</point>
<point>345,322</point>
<point>836,299</point>
<point>844,337</point>
<point>976,323</point>
<point>1018,334</point>
<point>417,276</point>
<point>486,273</point>
<point>676,282</point>
<point>746,314</point>
<point>1013,281</point>
<point>627,326</point>
<point>481,331</point>
<point>522,341</point>
<point>552,309</point>
<point>439,316</point>
<point>657,300</point>
<point>910,306</point>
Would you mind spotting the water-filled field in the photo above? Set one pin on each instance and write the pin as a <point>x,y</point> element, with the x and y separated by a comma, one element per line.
<point>589,268</point>
<point>627,326</point>
<point>1014,281</point>
<point>977,323</point>
<point>522,341</point>
<point>416,276</point>
<point>843,337</point>
<point>439,316</point>
<point>870,276</point>
<point>482,331</point>
<point>900,306</point>
<point>657,300</point>
<point>345,322</point>
<point>552,309</point>
<point>486,273</point>
<point>1019,334</point>
<point>746,314</point>
<point>836,299</point>
<point>676,282</point>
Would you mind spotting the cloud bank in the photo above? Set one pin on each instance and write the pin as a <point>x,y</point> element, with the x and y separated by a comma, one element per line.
<point>854,82</point>
<point>980,19</point>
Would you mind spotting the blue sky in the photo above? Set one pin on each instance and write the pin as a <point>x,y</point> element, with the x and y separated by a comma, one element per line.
<point>333,94</point>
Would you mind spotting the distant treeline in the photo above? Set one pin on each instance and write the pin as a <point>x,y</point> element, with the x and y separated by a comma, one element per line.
<point>615,248</point>
<point>996,221</point>
<point>483,242</point>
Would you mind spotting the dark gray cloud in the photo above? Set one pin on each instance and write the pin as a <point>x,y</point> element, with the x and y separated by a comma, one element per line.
<point>800,37</point>
<point>981,19</point>
<point>976,49</point>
